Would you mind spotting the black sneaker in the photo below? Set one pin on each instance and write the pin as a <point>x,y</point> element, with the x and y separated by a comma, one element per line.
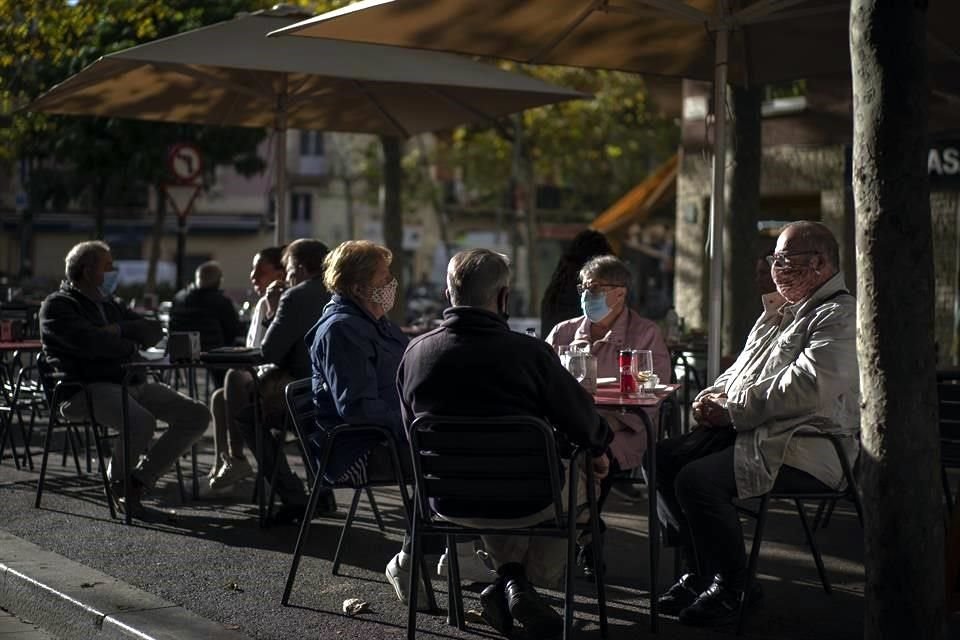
<point>495,610</point>
<point>681,595</point>
<point>136,508</point>
<point>719,604</point>
<point>538,618</point>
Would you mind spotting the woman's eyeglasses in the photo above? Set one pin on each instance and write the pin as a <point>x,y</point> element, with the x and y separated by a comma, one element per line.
<point>787,259</point>
<point>597,287</point>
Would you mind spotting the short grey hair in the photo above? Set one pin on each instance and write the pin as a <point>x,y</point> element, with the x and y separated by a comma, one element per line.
<point>476,276</point>
<point>81,256</point>
<point>816,236</point>
<point>208,275</point>
<point>609,269</point>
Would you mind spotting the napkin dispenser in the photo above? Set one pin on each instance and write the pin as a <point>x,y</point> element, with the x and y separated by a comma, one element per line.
<point>183,346</point>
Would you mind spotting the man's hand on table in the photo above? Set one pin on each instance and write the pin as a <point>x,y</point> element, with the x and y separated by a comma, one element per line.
<point>711,410</point>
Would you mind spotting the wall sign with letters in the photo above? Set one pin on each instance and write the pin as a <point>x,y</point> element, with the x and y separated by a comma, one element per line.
<point>943,165</point>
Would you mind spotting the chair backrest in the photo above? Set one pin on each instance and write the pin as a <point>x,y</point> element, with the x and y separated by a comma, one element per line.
<point>475,467</point>
<point>847,469</point>
<point>299,398</point>
<point>948,397</point>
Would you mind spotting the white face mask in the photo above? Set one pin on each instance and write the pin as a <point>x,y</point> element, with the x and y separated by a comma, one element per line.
<point>385,296</point>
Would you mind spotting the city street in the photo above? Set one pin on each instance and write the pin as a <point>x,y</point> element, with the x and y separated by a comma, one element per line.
<point>210,559</point>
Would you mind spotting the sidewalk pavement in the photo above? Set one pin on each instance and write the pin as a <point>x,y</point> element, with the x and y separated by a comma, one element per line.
<point>206,570</point>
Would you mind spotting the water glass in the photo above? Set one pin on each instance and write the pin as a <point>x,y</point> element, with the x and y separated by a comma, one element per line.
<point>563,351</point>
<point>643,367</point>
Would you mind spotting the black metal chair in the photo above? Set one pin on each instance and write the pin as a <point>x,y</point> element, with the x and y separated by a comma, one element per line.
<point>948,400</point>
<point>469,464</point>
<point>299,398</point>
<point>18,392</point>
<point>848,492</point>
<point>59,390</point>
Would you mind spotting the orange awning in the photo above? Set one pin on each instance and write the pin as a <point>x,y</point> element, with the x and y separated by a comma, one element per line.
<point>637,204</point>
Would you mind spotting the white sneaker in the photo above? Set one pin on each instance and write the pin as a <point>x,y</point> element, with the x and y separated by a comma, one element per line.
<point>474,564</point>
<point>398,575</point>
<point>233,471</point>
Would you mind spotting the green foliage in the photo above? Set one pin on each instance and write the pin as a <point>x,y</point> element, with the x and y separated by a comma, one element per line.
<point>596,149</point>
<point>46,41</point>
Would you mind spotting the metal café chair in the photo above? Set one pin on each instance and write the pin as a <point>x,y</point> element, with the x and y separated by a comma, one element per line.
<point>849,492</point>
<point>299,397</point>
<point>471,465</point>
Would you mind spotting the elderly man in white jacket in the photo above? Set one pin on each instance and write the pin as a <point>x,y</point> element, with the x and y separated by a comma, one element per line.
<point>798,371</point>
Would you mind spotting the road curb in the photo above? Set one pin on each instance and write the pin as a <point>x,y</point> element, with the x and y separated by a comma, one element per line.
<point>71,600</point>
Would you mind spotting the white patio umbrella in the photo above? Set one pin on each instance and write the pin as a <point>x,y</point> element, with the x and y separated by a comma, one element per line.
<point>230,74</point>
<point>740,41</point>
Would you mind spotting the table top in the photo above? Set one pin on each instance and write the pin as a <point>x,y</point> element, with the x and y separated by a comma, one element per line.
<point>610,396</point>
<point>21,345</point>
<point>163,363</point>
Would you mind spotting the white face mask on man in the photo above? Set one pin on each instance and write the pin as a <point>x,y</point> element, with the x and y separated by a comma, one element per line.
<point>385,296</point>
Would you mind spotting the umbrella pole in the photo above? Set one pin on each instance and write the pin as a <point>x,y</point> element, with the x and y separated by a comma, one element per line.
<point>280,188</point>
<point>718,203</point>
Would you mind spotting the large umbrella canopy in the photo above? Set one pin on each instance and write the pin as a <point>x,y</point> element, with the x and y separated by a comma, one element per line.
<point>738,41</point>
<point>230,74</point>
<point>770,40</point>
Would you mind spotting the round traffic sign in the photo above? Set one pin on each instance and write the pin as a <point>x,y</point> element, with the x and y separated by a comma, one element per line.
<point>184,162</point>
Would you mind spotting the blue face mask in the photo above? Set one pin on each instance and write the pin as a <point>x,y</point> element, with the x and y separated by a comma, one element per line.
<point>594,306</point>
<point>111,279</point>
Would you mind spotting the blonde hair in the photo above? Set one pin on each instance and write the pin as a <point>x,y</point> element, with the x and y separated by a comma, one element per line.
<point>353,263</point>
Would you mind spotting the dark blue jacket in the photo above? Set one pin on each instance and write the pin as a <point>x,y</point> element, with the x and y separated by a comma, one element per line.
<point>354,360</point>
<point>298,310</point>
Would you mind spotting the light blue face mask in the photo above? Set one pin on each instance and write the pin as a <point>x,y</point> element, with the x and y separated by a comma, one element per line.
<point>111,279</point>
<point>594,305</point>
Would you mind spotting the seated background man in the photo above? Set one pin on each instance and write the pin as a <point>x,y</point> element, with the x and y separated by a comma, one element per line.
<point>474,365</point>
<point>204,308</point>
<point>89,337</point>
<point>229,463</point>
<point>290,312</point>
<point>797,371</point>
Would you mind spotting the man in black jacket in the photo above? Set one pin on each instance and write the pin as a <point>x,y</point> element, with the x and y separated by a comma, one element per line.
<point>204,308</point>
<point>289,314</point>
<point>89,337</point>
<point>474,365</point>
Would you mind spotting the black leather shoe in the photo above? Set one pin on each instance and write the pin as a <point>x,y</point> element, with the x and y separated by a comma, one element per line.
<point>719,604</point>
<point>681,595</point>
<point>136,508</point>
<point>495,609</point>
<point>585,562</point>
<point>526,606</point>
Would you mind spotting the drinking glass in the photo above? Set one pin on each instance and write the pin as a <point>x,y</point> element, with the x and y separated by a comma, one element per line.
<point>563,351</point>
<point>644,360</point>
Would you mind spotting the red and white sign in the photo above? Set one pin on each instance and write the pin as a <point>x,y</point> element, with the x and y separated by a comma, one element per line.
<point>185,162</point>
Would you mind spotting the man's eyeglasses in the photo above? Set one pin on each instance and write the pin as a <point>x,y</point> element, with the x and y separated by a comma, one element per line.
<point>787,259</point>
<point>597,287</point>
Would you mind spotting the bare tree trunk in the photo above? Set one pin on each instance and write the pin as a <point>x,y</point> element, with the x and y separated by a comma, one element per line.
<point>903,534</point>
<point>435,200</point>
<point>393,220</point>
<point>156,240</point>
<point>349,214</point>
<point>742,301</point>
<point>525,202</point>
